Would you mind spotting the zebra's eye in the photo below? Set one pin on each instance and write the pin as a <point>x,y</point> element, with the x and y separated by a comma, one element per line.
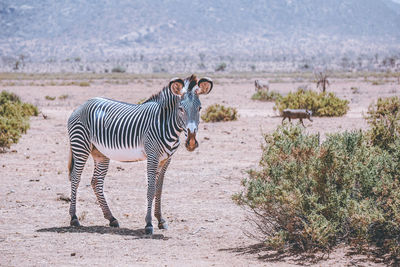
<point>199,109</point>
<point>181,109</point>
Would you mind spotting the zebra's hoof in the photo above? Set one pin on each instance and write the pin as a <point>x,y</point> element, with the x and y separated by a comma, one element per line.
<point>148,229</point>
<point>75,222</point>
<point>114,223</point>
<point>162,224</point>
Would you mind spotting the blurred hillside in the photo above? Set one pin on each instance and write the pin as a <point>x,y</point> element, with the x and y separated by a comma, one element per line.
<point>182,36</point>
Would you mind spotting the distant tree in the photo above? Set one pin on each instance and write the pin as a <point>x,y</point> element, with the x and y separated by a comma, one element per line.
<point>376,58</point>
<point>16,65</point>
<point>118,69</point>
<point>321,78</point>
<point>221,67</point>
<point>20,62</point>
<point>202,56</point>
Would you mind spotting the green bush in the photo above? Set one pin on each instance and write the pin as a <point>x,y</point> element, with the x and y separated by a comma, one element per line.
<point>218,112</point>
<point>310,196</point>
<point>118,69</point>
<point>51,98</point>
<point>384,120</point>
<point>321,104</point>
<point>265,95</point>
<point>14,118</point>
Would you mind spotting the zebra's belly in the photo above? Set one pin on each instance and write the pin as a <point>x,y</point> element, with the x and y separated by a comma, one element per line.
<point>123,154</point>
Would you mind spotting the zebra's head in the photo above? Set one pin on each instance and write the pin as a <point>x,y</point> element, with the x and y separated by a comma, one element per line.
<point>188,109</point>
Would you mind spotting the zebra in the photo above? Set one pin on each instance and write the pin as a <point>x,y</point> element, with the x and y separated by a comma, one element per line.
<point>109,129</point>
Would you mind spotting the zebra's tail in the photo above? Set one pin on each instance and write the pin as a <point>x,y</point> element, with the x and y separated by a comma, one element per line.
<point>70,163</point>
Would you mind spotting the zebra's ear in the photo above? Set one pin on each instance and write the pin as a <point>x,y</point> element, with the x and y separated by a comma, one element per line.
<point>176,86</point>
<point>205,86</point>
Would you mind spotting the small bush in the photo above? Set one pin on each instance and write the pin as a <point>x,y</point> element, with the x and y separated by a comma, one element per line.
<point>380,82</point>
<point>63,97</point>
<point>51,98</point>
<point>384,119</point>
<point>321,104</point>
<point>264,95</point>
<point>355,90</point>
<point>14,118</point>
<point>310,196</point>
<point>216,112</point>
<point>84,84</point>
<point>118,69</point>
<point>221,67</point>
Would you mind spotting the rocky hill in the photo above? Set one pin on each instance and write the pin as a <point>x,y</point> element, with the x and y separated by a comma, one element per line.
<point>179,35</point>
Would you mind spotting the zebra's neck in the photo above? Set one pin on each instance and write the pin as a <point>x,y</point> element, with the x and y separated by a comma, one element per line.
<point>164,98</point>
<point>169,103</point>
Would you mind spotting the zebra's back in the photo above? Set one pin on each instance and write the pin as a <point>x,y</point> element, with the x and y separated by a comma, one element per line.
<point>117,129</point>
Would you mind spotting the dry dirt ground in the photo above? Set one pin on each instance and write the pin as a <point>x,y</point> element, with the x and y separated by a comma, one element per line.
<point>205,227</point>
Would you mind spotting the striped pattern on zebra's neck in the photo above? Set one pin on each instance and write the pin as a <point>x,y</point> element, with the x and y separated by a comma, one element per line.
<point>168,103</point>
<point>171,125</point>
<point>165,98</point>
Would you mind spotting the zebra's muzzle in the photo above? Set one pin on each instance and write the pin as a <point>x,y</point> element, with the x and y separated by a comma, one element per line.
<point>191,142</point>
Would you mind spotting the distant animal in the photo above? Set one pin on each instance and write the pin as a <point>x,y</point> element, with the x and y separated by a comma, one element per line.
<point>297,114</point>
<point>109,129</point>
<point>261,85</point>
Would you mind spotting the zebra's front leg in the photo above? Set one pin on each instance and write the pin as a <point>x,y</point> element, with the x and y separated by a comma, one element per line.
<point>152,165</point>
<point>162,224</point>
<point>101,164</point>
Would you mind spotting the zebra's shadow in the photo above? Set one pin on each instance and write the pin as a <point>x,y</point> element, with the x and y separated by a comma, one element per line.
<point>137,234</point>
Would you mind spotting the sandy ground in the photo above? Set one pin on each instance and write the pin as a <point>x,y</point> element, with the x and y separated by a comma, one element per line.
<point>205,227</point>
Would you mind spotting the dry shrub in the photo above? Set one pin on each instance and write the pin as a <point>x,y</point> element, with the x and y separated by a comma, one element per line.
<point>84,84</point>
<point>321,79</point>
<point>221,67</point>
<point>216,112</point>
<point>51,98</point>
<point>118,69</point>
<point>321,104</point>
<point>14,118</point>
<point>63,97</point>
<point>265,95</point>
<point>309,196</point>
<point>384,119</point>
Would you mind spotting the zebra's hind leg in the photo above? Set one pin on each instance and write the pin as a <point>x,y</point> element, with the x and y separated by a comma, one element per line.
<point>101,164</point>
<point>162,224</point>
<point>77,163</point>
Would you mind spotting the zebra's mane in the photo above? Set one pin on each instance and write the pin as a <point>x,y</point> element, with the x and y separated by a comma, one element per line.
<point>192,80</point>
<point>165,93</point>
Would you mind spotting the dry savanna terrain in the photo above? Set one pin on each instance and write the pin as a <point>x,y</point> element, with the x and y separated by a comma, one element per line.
<point>206,228</point>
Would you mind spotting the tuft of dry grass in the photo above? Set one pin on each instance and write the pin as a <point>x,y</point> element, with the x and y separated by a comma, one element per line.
<point>141,101</point>
<point>63,97</point>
